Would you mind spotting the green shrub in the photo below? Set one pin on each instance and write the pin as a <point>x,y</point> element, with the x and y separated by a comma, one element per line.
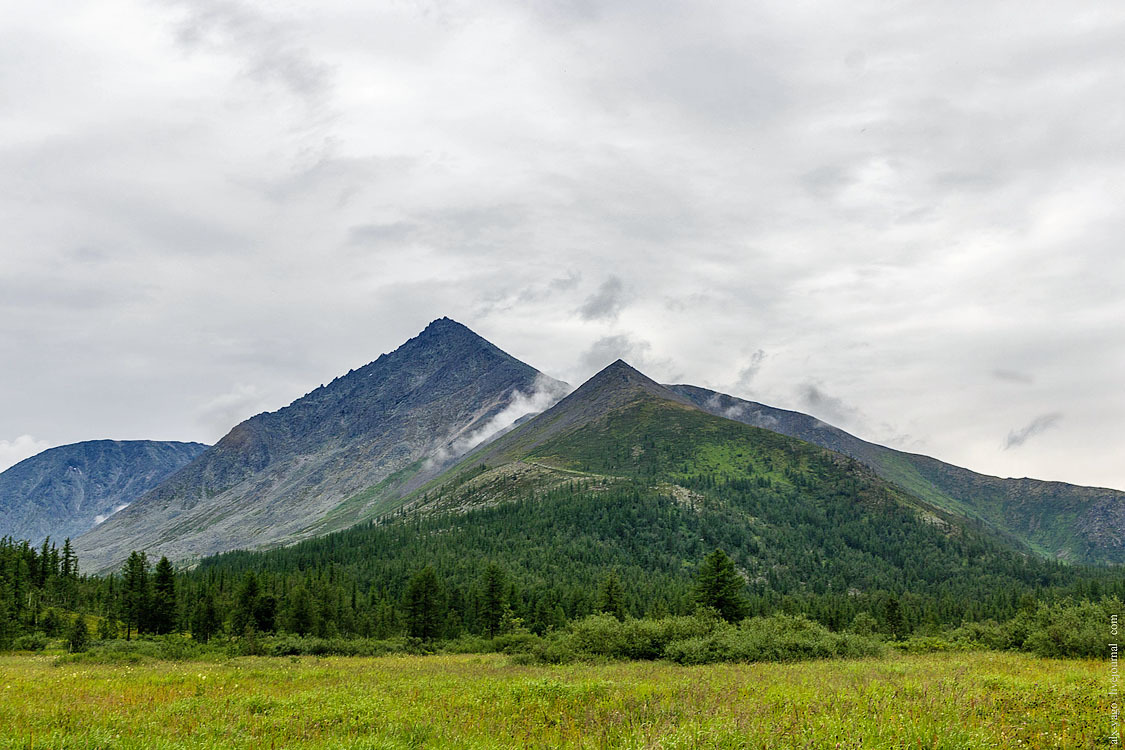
<point>1071,629</point>
<point>774,638</point>
<point>30,642</point>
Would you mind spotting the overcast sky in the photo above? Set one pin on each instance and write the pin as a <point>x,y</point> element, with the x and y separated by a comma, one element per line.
<point>907,219</point>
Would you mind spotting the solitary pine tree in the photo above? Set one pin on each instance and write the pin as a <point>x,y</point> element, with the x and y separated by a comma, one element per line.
<point>422,605</point>
<point>719,586</point>
<point>163,610</point>
<point>611,597</point>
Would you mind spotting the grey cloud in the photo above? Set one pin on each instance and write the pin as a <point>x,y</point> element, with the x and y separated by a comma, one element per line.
<point>565,283</point>
<point>747,374</point>
<point>1037,426</point>
<point>391,233</point>
<point>606,302</point>
<point>272,52</point>
<point>1013,376</point>
<point>825,406</point>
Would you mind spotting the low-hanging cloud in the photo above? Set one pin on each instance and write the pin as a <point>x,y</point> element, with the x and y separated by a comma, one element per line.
<point>747,374</point>
<point>225,411</point>
<point>1037,426</point>
<point>821,404</point>
<point>545,393</point>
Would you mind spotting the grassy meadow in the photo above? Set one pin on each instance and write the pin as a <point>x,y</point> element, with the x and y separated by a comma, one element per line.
<point>948,700</point>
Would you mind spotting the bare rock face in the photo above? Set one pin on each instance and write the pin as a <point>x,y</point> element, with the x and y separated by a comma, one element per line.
<point>65,491</point>
<point>338,455</point>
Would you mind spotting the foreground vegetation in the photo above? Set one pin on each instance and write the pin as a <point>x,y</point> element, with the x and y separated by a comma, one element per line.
<point>930,701</point>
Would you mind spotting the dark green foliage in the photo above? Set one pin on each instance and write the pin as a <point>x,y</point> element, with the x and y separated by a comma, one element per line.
<point>136,594</point>
<point>52,623</point>
<point>892,616</point>
<point>611,597</point>
<point>719,587</point>
<point>254,610</point>
<point>163,609</point>
<point>205,620</point>
<point>300,617</point>
<point>107,629</point>
<point>493,606</point>
<point>78,637</point>
<point>423,606</point>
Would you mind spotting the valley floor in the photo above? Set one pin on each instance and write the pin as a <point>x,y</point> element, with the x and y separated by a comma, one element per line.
<point>472,701</point>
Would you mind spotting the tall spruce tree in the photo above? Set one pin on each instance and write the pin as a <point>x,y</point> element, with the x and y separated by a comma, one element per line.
<point>611,597</point>
<point>135,593</point>
<point>422,605</point>
<point>300,616</point>
<point>243,618</point>
<point>163,610</point>
<point>493,604</point>
<point>205,620</point>
<point>719,586</point>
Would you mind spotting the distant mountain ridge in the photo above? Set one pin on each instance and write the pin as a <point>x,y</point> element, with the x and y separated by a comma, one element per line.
<point>293,473</point>
<point>1055,519</point>
<point>65,491</point>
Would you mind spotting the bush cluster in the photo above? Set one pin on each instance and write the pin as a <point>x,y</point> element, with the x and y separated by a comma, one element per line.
<point>702,639</point>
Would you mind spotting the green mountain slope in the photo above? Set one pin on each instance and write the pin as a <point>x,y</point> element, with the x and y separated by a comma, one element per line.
<point>626,475</point>
<point>1055,519</point>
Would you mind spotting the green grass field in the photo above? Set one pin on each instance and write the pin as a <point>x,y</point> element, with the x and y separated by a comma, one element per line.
<point>961,700</point>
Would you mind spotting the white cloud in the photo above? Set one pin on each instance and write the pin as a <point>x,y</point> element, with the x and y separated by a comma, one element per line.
<point>24,446</point>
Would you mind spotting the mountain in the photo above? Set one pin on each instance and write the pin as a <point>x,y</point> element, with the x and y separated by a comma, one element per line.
<point>333,457</point>
<point>1055,519</point>
<point>626,475</point>
<point>65,491</point>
